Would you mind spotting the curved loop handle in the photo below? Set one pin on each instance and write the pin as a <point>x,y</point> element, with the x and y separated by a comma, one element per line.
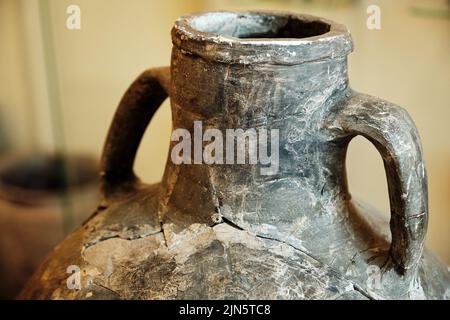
<point>133,114</point>
<point>394,134</point>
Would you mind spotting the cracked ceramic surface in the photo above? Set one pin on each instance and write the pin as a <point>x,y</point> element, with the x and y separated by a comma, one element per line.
<point>226,231</point>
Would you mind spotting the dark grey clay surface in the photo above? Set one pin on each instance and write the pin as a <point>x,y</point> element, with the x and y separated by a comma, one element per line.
<point>226,231</point>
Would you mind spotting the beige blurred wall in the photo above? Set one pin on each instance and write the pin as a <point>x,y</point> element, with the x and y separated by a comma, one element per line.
<point>406,62</point>
<point>96,64</point>
<point>14,104</point>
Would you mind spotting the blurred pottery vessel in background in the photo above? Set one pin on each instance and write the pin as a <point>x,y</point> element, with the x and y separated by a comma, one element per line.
<point>42,198</point>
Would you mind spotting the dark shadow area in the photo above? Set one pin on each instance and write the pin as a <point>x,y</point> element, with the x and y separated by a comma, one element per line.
<point>48,173</point>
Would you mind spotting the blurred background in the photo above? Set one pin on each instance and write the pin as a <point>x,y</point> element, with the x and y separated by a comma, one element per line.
<point>59,89</point>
